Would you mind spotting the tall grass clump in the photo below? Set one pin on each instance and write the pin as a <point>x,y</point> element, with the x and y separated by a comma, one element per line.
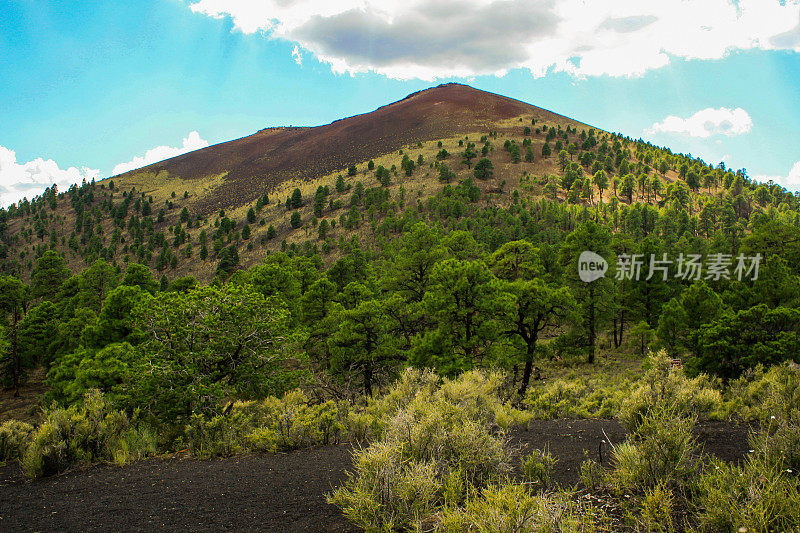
<point>84,433</point>
<point>443,445</point>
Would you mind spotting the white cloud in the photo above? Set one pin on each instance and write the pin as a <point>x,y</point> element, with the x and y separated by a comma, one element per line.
<point>297,55</point>
<point>159,153</point>
<point>705,123</point>
<point>26,180</point>
<point>427,40</point>
<point>791,181</point>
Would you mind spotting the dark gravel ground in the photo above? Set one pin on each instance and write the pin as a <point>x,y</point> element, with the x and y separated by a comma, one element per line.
<point>279,492</point>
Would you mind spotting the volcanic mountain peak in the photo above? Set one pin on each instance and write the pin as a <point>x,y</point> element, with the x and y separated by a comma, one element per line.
<point>259,162</point>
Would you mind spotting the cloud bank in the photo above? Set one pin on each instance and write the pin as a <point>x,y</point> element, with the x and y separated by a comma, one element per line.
<point>705,123</point>
<point>159,153</point>
<point>30,179</point>
<point>417,39</point>
<point>791,181</point>
<point>26,180</point>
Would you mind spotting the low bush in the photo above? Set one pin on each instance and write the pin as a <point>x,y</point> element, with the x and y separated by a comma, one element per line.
<point>268,425</point>
<point>656,510</point>
<point>367,422</point>
<point>661,451</point>
<point>666,385</point>
<point>778,440</point>
<point>582,397</point>
<point>83,433</point>
<point>536,468</point>
<point>436,450</point>
<point>14,439</point>
<point>511,507</point>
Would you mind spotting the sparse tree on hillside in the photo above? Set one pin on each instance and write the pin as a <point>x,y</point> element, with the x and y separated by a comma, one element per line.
<point>628,186</point>
<point>228,261</point>
<point>296,199</point>
<point>693,181</point>
<point>469,154</point>
<point>445,174</point>
<point>601,181</point>
<point>528,155</point>
<point>563,159</point>
<point>484,169</point>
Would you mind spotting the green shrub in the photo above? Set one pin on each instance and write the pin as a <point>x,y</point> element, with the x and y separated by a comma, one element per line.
<point>581,397</point>
<point>475,392</point>
<point>90,431</point>
<point>778,440</point>
<point>662,450</point>
<point>665,385</point>
<point>368,422</point>
<point>436,450</point>
<point>285,423</point>
<point>656,509</point>
<point>511,507</point>
<point>218,436</point>
<point>14,439</point>
<point>536,467</point>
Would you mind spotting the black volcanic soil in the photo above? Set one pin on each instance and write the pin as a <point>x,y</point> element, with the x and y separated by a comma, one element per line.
<point>279,492</point>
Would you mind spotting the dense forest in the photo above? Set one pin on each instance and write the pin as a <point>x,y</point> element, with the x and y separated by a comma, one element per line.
<point>476,279</point>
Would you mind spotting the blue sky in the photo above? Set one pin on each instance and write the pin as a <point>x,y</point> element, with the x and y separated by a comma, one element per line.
<point>90,87</point>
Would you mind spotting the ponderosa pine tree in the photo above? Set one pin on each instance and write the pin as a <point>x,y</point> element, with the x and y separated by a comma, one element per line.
<point>592,296</point>
<point>48,275</point>
<point>484,169</point>
<point>537,307</point>
<point>14,296</point>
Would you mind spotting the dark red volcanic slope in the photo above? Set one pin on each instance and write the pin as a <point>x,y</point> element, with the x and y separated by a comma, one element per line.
<point>260,161</point>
